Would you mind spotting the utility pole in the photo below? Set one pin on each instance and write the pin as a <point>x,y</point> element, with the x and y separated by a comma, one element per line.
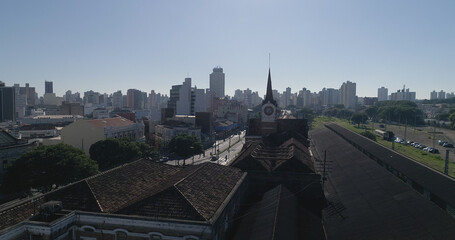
<point>446,167</point>
<point>405,131</point>
<point>323,169</point>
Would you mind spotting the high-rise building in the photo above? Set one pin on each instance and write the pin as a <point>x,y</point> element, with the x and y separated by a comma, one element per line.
<point>217,82</point>
<point>383,93</point>
<point>7,103</point>
<point>187,100</point>
<point>441,95</point>
<point>433,95</point>
<point>403,94</point>
<point>48,87</point>
<point>348,95</point>
<point>134,99</point>
<point>91,97</point>
<point>117,99</point>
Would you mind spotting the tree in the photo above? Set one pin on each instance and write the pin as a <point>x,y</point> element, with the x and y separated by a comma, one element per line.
<point>359,118</point>
<point>113,152</point>
<point>369,135</point>
<point>372,112</point>
<point>452,119</point>
<point>47,165</point>
<point>185,146</point>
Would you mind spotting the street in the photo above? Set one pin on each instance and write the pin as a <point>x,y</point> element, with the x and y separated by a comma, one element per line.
<point>227,150</point>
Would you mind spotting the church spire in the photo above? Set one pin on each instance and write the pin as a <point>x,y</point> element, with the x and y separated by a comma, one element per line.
<point>269,94</point>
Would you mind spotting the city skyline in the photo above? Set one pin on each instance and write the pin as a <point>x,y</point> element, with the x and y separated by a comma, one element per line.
<point>151,45</point>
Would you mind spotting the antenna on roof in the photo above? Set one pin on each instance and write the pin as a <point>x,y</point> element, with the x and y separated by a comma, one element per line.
<point>269,60</point>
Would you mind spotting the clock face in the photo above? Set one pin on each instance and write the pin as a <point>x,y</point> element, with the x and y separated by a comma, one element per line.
<point>268,110</point>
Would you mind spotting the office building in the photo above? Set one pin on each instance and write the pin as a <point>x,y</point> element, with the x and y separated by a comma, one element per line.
<point>7,103</point>
<point>48,87</point>
<point>217,82</point>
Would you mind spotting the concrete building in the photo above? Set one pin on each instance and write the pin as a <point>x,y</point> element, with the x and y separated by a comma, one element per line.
<point>403,94</point>
<point>68,108</point>
<point>91,97</point>
<point>329,96</point>
<point>441,95</point>
<point>217,82</point>
<point>82,134</point>
<point>348,95</point>
<point>20,100</point>
<point>176,126</point>
<point>134,99</point>
<point>52,99</point>
<point>48,87</point>
<point>100,113</point>
<point>383,94</point>
<point>117,99</point>
<point>433,95</point>
<point>7,103</point>
<point>38,131</point>
<point>187,100</point>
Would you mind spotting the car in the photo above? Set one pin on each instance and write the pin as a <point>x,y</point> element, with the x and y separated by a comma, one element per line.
<point>214,158</point>
<point>164,159</point>
<point>440,142</point>
<point>426,149</point>
<point>448,145</point>
<point>434,150</point>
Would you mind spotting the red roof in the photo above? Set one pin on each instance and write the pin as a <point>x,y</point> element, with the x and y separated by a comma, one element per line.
<point>111,122</point>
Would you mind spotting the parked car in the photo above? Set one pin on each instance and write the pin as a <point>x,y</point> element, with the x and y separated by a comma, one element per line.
<point>214,158</point>
<point>433,150</point>
<point>448,145</point>
<point>164,159</point>
<point>440,142</point>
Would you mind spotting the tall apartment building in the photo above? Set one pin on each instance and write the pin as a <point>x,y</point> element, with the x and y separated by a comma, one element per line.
<point>403,94</point>
<point>91,97</point>
<point>48,87</point>
<point>441,95</point>
<point>329,96</point>
<point>117,99</point>
<point>217,82</point>
<point>383,94</point>
<point>187,100</point>
<point>348,94</point>
<point>7,103</point>
<point>433,95</point>
<point>134,99</point>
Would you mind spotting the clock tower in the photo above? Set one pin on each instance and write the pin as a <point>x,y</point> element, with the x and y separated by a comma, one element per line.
<point>269,105</point>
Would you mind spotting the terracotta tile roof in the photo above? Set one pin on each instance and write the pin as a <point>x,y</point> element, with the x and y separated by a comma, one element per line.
<point>144,188</point>
<point>208,186</point>
<point>286,156</point>
<point>111,122</point>
<point>20,212</point>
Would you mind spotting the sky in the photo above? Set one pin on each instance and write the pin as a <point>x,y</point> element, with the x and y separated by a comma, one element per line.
<point>110,45</point>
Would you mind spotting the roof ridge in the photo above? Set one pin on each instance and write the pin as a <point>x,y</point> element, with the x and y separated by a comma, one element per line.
<point>189,202</point>
<point>94,195</point>
<point>276,211</point>
<point>199,166</point>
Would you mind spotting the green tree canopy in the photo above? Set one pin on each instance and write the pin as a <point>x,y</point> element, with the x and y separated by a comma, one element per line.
<point>400,111</point>
<point>47,165</point>
<point>359,118</point>
<point>185,145</point>
<point>113,152</point>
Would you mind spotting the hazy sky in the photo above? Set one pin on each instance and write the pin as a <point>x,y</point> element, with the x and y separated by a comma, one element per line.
<point>116,45</point>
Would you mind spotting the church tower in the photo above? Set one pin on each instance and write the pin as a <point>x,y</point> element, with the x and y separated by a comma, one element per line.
<point>269,112</point>
<point>269,105</point>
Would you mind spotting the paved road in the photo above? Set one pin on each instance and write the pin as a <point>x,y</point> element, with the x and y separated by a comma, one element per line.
<point>227,151</point>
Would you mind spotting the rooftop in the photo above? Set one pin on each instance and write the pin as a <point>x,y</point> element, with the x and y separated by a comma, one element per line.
<point>143,188</point>
<point>111,122</point>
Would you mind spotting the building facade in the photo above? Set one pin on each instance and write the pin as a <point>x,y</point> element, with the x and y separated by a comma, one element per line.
<point>217,82</point>
<point>383,94</point>
<point>348,95</point>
